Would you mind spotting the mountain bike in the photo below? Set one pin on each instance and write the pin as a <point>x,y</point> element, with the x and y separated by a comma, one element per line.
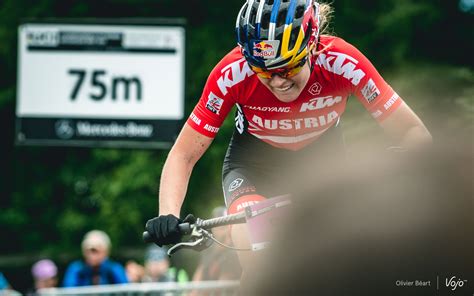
<point>259,218</point>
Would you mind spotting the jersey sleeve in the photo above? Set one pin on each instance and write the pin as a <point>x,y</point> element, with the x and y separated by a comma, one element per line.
<point>370,88</point>
<point>215,103</point>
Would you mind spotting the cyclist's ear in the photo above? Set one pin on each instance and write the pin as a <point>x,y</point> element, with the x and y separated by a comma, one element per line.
<point>190,219</point>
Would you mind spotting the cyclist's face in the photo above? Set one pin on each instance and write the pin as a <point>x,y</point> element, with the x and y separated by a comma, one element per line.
<point>287,89</point>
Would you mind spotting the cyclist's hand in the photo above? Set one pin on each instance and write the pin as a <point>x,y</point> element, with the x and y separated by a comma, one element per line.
<point>164,229</point>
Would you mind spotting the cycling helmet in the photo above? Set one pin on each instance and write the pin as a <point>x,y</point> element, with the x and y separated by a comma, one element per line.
<point>276,33</point>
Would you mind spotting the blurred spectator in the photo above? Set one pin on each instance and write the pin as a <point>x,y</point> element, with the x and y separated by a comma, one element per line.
<point>217,262</point>
<point>157,267</point>
<point>97,268</point>
<point>5,288</point>
<point>44,274</point>
<point>3,282</point>
<point>135,271</point>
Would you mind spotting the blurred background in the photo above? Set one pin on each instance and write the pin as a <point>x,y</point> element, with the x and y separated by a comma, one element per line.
<point>51,196</point>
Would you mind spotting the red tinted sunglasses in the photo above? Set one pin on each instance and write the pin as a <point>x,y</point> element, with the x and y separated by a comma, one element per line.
<point>285,72</point>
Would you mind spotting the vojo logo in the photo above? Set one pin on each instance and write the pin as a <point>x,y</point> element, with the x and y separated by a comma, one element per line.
<point>42,37</point>
<point>266,49</point>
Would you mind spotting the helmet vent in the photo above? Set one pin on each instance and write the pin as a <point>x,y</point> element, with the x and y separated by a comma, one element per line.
<point>270,2</point>
<point>253,14</point>
<point>307,34</point>
<point>299,12</point>
<point>265,21</point>
<point>281,18</point>
<point>294,36</point>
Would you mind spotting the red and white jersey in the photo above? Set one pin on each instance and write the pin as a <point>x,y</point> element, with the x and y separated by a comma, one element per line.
<point>339,71</point>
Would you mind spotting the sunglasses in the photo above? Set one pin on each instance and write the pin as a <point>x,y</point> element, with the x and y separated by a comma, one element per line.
<point>286,72</point>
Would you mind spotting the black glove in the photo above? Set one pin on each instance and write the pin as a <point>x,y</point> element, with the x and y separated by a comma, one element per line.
<point>164,229</point>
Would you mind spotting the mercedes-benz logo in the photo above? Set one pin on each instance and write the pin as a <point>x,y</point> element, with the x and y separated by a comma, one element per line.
<point>64,129</point>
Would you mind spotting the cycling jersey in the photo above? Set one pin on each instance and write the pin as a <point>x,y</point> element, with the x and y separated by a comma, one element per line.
<point>254,169</point>
<point>339,70</point>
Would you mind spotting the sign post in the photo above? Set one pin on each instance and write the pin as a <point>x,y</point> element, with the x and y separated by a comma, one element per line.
<point>100,84</point>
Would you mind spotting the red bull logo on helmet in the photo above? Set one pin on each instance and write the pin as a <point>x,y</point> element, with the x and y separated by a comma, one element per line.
<point>266,49</point>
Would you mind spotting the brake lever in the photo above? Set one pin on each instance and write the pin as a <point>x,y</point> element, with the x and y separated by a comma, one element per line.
<point>185,245</point>
<point>199,244</point>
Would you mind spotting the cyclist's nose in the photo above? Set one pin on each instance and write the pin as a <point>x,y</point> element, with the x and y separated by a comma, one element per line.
<point>277,81</point>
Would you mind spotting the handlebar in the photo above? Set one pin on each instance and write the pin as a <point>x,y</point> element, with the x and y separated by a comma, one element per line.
<point>187,228</point>
<point>200,238</point>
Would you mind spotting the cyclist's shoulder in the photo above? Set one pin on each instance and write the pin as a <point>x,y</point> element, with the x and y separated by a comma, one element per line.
<point>231,72</point>
<point>329,43</point>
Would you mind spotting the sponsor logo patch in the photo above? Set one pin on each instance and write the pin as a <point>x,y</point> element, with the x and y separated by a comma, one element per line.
<point>235,184</point>
<point>266,49</point>
<point>370,91</point>
<point>320,103</point>
<point>315,89</point>
<point>214,103</point>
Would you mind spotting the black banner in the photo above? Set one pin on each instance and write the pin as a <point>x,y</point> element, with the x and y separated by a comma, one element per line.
<point>88,132</point>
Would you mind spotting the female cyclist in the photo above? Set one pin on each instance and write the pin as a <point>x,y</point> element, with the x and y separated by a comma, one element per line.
<point>290,84</point>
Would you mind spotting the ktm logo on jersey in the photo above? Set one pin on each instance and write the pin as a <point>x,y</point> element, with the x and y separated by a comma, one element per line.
<point>239,70</point>
<point>341,64</point>
<point>320,103</point>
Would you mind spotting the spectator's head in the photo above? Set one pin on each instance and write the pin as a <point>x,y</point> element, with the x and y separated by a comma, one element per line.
<point>156,261</point>
<point>95,247</point>
<point>44,273</point>
<point>135,271</point>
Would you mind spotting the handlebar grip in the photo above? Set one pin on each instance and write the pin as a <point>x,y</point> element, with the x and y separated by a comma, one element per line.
<point>184,228</point>
<point>147,237</point>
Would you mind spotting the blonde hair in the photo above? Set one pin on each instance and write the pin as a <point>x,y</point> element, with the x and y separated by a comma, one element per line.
<point>325,16</point>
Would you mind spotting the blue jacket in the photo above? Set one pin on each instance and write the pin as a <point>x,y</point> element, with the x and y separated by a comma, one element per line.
<point>3,282</point>
<point>80,274</point>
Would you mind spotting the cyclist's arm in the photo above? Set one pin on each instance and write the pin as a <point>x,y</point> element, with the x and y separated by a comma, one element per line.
<point>406,128</point>
<point>187,150</point>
